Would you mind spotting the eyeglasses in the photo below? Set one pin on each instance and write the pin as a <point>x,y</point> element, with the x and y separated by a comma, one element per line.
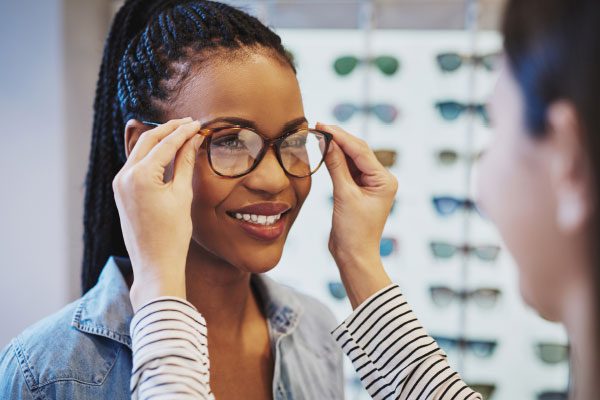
<point>451,110</point>
<point>388,65</point>
<point>449,157</point>
<point>486,390</point>
<point>337,290</point>
<point>446,205</point>
<point>552,395</point>
<point>388,246</point>
<point>552,353</point>
<point>446,250</point>
<point>443,296</point>
<point>387,158</point>
<point>479,348</point>
<point>235,151</point>
<point>449,62</point>
<point>386,113</point>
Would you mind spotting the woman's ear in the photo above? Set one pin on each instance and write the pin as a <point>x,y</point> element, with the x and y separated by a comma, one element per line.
<point>133,131</point>
<point>570,170</point>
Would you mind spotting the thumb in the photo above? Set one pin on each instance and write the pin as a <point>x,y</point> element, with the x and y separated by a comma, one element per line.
<point>185,161</point>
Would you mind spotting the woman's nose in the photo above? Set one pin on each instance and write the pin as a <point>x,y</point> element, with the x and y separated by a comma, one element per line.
<point>268,176</point>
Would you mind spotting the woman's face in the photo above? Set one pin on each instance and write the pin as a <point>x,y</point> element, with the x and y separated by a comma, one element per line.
<point>260,92</point>
<point>519,190</point>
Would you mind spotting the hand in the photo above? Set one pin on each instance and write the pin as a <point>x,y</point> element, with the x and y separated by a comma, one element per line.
<point>363,195</point>
<point>156,215</point>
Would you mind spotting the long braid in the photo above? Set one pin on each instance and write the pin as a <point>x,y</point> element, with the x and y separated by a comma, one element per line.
<point>146,39</point>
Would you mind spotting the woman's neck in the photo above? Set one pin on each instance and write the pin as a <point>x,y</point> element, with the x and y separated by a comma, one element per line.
<point>220,291</point>
<point>579,318</point>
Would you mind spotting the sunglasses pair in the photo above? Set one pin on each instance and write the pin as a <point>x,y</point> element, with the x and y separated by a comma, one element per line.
<point>450,157</point>
<point>446,205</point>
<point>444,250</point>
<point>449,62</point>
<point>479,348</point>
<point>451,110</point>
<point>552,353</point>
<point>386,113</point>
<point>443,296</point>
<point>388,65</point>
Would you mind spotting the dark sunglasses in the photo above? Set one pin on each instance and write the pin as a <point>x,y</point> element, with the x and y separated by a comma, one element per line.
<point>449,62</point>
<point>386,157</point>
<point>451,110</point>
<point>444,250</point>
<point>234,151</point>
<point>388,65</point>
<point>479,348</point>
<point>386,113</point>
<point>443,296</point>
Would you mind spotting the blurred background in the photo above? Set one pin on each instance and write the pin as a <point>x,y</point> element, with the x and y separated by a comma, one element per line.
<point>409,76</point>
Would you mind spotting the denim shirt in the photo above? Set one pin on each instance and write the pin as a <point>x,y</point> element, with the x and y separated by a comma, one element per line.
<point>84,350</point>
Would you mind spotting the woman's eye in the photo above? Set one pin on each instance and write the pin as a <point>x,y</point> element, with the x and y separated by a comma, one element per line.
<point>296,142</point>
<point>229,142</point>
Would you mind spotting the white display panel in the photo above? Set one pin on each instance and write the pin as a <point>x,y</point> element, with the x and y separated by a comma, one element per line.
<point>417,135</point>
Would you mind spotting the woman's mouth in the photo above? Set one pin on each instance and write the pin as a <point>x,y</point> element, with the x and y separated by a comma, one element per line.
<point>265,221</point>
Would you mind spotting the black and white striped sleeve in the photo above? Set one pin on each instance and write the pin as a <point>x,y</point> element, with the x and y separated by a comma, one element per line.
<point>393,355</point>
<point>170,351</point>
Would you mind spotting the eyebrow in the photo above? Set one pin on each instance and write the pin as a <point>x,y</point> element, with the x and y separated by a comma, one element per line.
<point>246,123</point>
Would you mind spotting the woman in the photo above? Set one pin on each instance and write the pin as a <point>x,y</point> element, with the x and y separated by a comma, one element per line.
<point>164,60</point>
<point>537,182</point>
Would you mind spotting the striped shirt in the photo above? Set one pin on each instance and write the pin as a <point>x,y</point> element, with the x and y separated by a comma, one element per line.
<point>393,355</point>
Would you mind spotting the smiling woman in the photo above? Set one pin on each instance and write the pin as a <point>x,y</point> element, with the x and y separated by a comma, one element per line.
<point>165,60</point>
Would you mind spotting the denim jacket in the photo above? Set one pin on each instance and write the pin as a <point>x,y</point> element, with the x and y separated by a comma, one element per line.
<point>84,350</point>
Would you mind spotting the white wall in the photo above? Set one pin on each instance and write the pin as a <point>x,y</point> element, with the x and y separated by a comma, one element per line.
<point>46,88</point>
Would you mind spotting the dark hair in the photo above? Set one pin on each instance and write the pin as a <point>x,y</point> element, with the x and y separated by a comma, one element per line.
<point>148,54</point>
<point>553,51</point>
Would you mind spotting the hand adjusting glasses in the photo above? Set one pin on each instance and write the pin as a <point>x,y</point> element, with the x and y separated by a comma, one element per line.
<point>234,151</point>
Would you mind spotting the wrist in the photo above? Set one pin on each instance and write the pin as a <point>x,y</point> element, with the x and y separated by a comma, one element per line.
<point>362,276</point>
<point>144,290</point>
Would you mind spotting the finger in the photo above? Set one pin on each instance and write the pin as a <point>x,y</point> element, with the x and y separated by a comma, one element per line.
<point>152,137</point>
<point>166,150</point>
<point>185,162</point>
<point>336,164</point>
<point>357,150</point>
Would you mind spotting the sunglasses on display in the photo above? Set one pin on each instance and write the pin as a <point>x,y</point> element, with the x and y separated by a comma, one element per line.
<point>386,113</point>
<point>444,250</point>
<point>552,353</point>
<point>387,158</point>
<point>479,348</point>
<point>450,157</point>
<point>485,389</point>
<point>447,205</point>
<point>337,290</point>
<point>553,395</point>
<point>388,246</point>
<point>388,65</point>
<point>449,62</point>
<point>443,296</point>
<point>235,151</point>
<point>451,110</point>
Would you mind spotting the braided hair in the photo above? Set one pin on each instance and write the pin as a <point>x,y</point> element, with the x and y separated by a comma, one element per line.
<point>149,52</point>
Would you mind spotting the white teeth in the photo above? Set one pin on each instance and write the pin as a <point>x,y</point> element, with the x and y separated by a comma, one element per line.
<point>259,219</point>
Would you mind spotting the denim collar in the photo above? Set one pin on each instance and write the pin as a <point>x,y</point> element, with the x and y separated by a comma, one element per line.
<point>105,310</point>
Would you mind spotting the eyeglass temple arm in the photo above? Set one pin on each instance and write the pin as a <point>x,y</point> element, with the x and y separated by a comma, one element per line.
<point>203,131</point>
